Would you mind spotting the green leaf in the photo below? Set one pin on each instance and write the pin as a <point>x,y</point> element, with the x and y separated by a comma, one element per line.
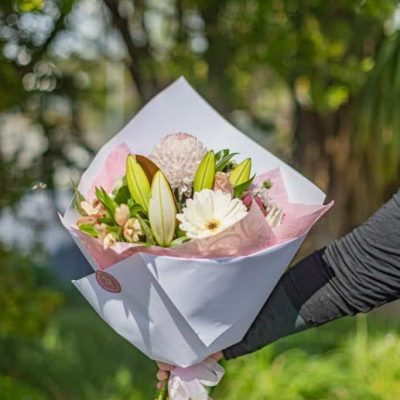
<point>138,183</point>
<point>135,209</point>
<point>150,241</point>
<point>240,189</point>
<point>221,154</point>
<point>241,173</point>
<point>179,240</point>
<point>122,195</point>
<point>109,204</point>
<point>162,210</point>
<point>224,161</point>
<point>88,229</point>
<point>78,198</point>
<point>179,232</point>
<point>130,203</point>
<point>108,220</point>
<point>114,229</point>
<point>205,174</point>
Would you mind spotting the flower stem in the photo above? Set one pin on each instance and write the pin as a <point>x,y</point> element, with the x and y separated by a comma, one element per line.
<point>163,393</point>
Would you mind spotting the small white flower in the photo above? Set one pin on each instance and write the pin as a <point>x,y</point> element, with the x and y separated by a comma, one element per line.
<point>101,230</point>
<point>209,213</point>
<point>93,209</point>
<point>122,214</point>
<point>88,208</point>
<point>274,216</point>
<point>109,240</point>
<point>132,230</point>
<point>264,195</point>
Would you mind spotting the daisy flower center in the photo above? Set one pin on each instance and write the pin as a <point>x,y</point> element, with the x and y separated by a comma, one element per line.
<point>213,224</point>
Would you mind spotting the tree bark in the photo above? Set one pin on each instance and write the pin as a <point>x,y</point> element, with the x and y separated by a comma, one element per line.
<point>324,152</point>
<point>218,57</point>
<point>146,84</point>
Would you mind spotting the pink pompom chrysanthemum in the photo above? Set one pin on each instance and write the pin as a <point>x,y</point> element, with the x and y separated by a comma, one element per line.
<point>178,155</point>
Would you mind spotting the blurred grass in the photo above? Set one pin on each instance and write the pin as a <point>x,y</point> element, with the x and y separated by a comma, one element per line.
<point>80,357</point>
<point>344,360</point>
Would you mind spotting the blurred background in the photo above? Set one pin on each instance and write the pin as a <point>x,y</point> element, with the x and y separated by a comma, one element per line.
<point>317,82</point>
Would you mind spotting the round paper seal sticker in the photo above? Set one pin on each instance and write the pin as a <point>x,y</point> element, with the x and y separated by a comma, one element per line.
<point>108,282</point>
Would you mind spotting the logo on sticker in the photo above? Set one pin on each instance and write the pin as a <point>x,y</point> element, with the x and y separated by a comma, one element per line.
<point>108,282</point>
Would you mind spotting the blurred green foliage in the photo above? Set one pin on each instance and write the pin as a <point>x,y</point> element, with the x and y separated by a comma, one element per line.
<point>77,357</point>
<point>25,303</point>
<point>30,5</point>
<point>348,366</point>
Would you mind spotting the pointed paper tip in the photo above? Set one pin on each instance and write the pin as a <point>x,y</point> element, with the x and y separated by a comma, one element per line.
<point>182,82</point>
<point>61,217</point>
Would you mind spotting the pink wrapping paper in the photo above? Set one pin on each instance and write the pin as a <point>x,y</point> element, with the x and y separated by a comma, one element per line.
<point>250,235</point>
<point>113,168</point>
<point>191,383</point>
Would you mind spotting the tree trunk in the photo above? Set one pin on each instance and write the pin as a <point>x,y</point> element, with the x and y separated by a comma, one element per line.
<point>218,57</point>
<point>139,55</point>
<point>323,153</point>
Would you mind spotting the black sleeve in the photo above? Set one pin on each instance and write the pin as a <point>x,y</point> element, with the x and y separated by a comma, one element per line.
<point>354,274</point>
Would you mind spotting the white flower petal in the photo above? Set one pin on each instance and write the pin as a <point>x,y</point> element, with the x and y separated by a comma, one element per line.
<point>209,213</point>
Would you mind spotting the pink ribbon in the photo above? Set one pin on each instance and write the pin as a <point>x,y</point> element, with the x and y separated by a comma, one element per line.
<point>191,383</point>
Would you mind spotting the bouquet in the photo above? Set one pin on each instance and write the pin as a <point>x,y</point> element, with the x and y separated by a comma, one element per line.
<point>188,233</point>
<point>181,193</point>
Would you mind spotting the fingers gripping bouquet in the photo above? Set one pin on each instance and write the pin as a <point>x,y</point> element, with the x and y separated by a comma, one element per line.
<point>187,240</point>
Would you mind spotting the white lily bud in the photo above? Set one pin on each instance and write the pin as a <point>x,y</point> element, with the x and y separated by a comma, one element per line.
<point>122,214</point>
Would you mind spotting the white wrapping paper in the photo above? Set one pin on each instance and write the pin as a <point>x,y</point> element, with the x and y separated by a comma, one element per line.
<point>177,310</point>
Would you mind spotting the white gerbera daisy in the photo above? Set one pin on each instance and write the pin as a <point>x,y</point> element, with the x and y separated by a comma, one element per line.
<point>209,213</point>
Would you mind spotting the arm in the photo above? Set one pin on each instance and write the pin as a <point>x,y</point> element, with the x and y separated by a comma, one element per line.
<point>354,274</point>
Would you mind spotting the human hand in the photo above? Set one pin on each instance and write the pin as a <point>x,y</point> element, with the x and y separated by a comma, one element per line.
<point>165,369</point>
